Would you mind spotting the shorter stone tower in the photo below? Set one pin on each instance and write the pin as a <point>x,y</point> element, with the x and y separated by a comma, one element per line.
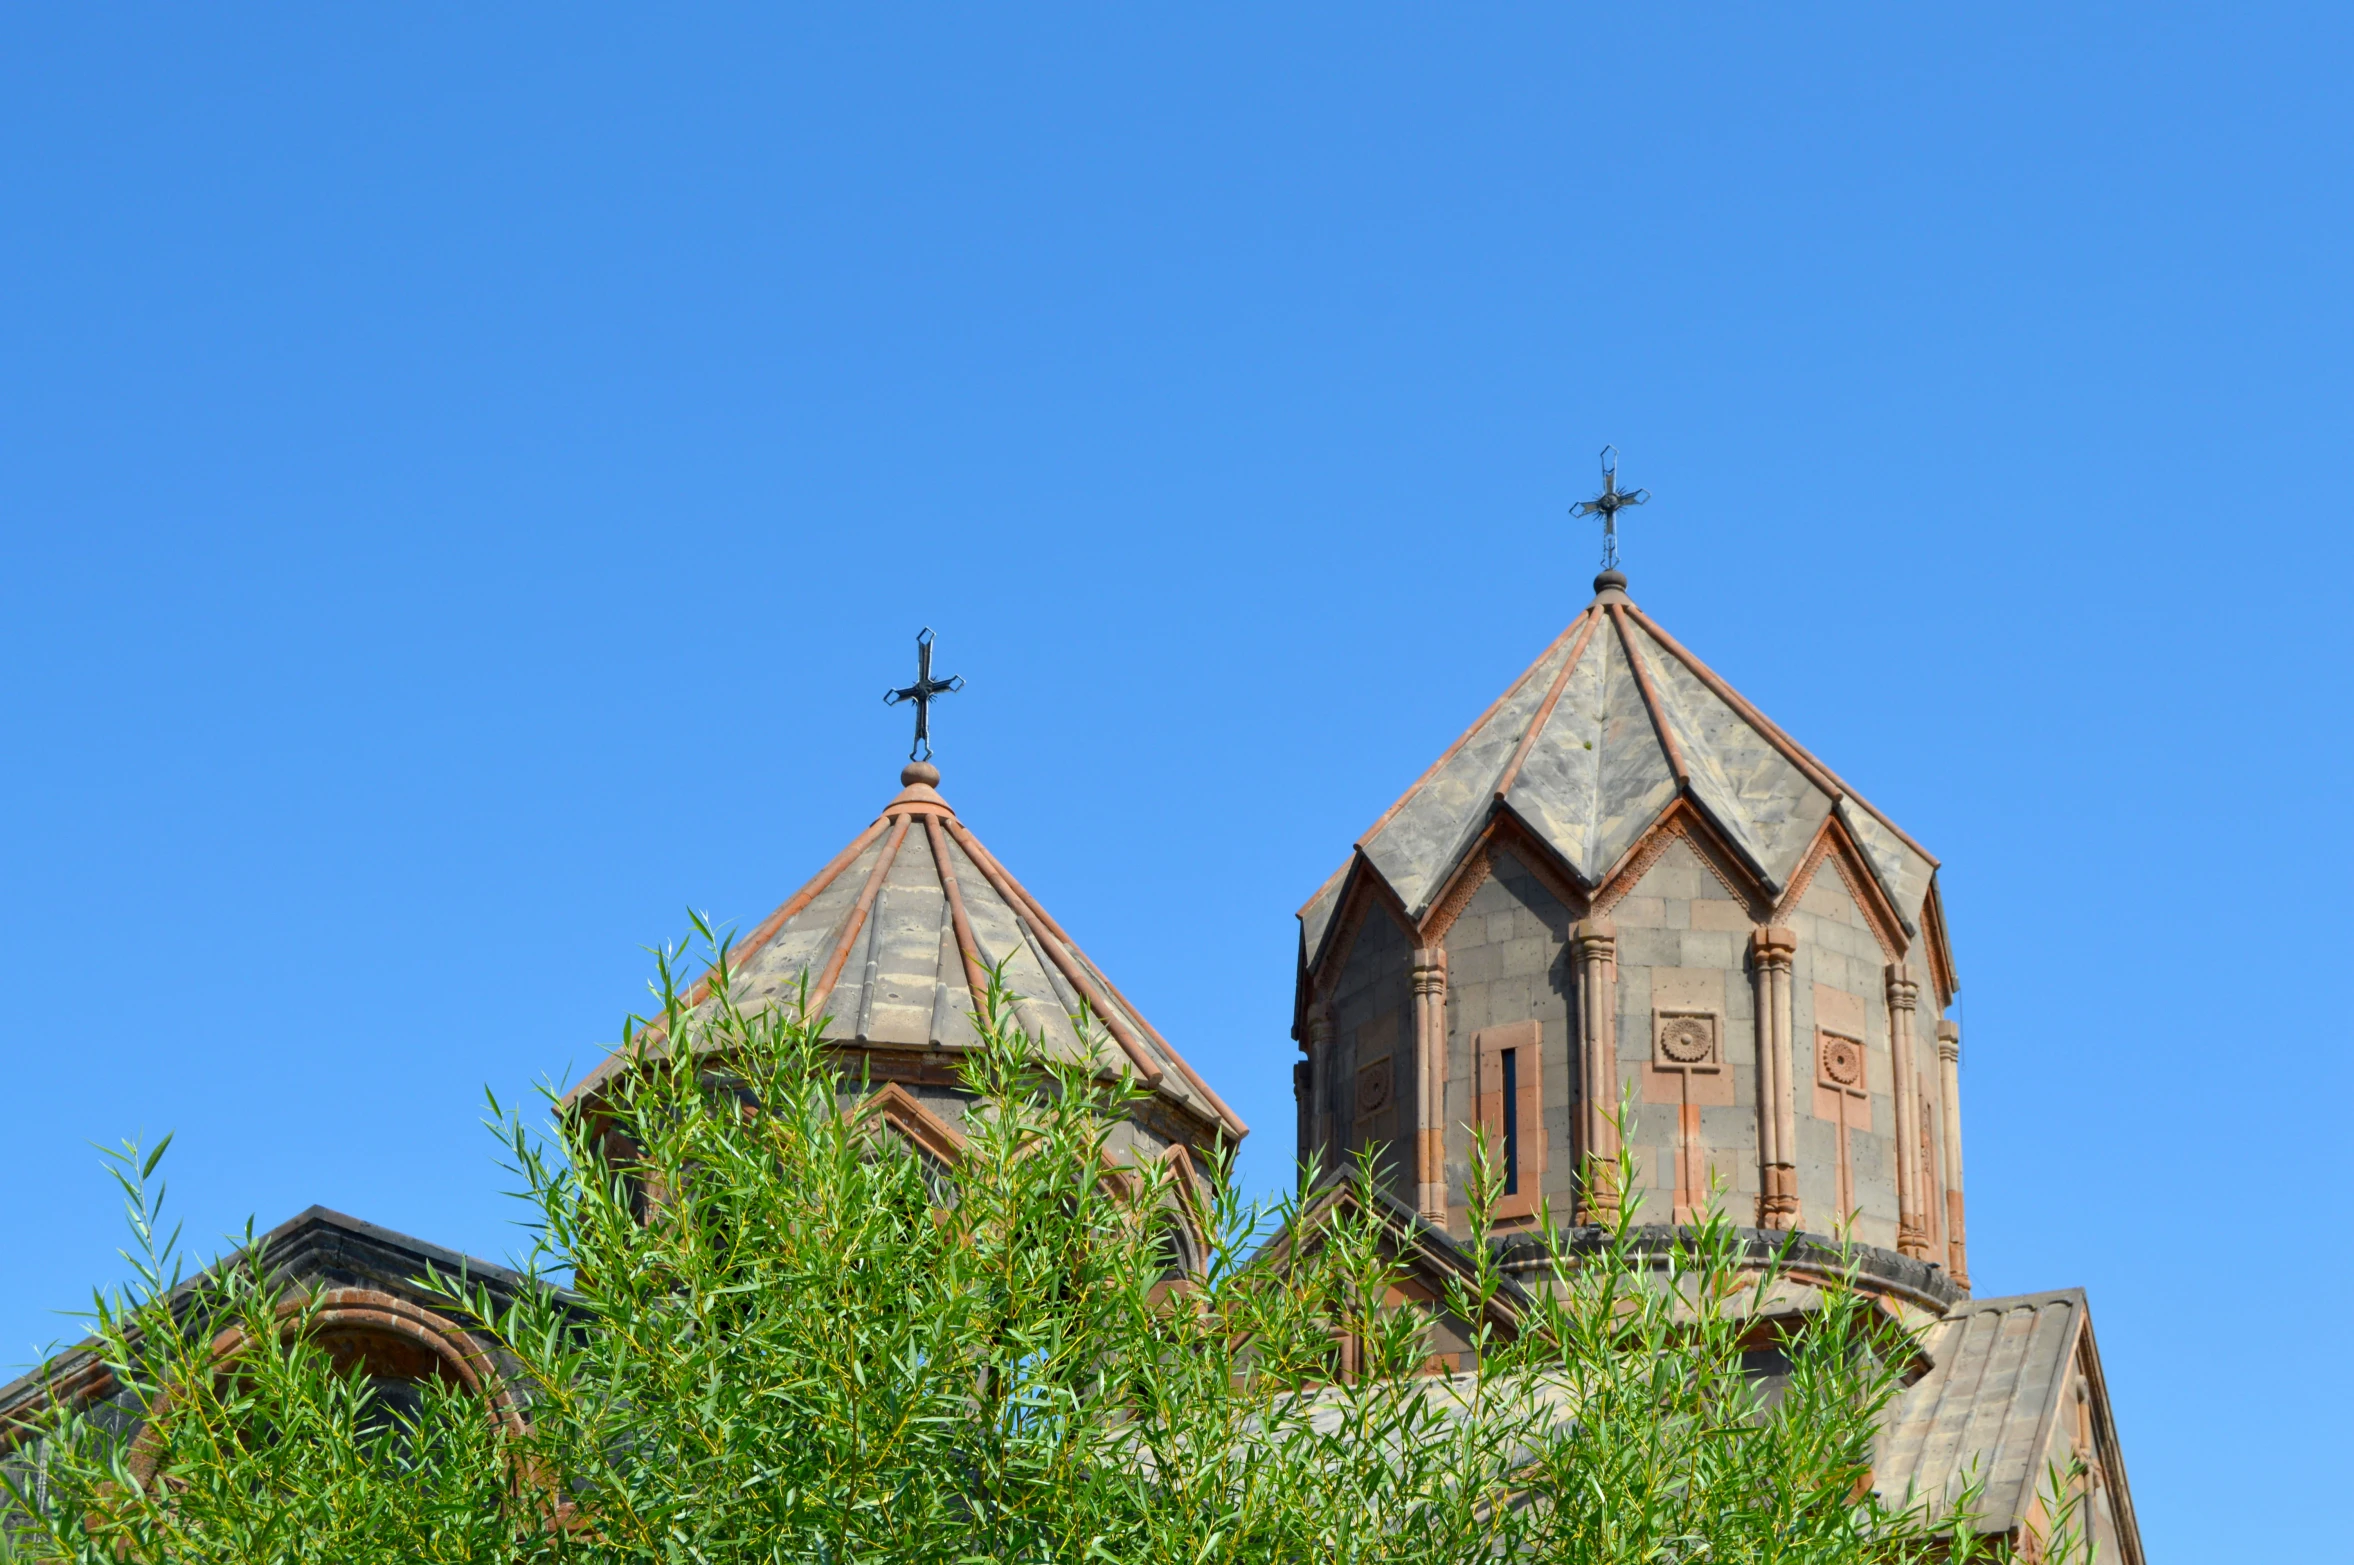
<point>896,938</point>
<point>1626,882</point>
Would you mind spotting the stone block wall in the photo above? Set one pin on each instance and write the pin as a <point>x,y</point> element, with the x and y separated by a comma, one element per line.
<point>1684,965</point>
<point>1369,1091</point>
<point>1508,961</point>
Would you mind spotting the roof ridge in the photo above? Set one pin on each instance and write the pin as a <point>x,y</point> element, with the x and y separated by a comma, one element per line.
<point>975,977</point>
<point>1544,713</point>
<point>1659,722</point>
<point>1712,795</point>
<point>1061,952</point>
<point>1464,737</point>
<point>1184,1068</point>
<point>770,927</point>
<point>855,919</point>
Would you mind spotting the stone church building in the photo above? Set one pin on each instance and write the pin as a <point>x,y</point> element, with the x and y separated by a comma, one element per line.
<point>1623,884</point>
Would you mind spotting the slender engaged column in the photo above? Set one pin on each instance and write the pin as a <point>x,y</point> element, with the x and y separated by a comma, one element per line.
<point>1430,1098</point>
<point>1912,1215</point>
<point>1303,1103</point>
<point>1594,944</point>
<point>1771,950</point>
<point>1949,1060</point>
<point>1317,1150</point>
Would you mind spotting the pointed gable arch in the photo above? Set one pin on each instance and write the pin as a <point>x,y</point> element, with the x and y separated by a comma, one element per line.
<point>1191,1226</point>
<point>1504,832</point>
<point>1940,950</point>
<point>1362,892</point>
<point>895,1109</point>
<point>937,1146</point>
<point>1835,847</point>
<point>1690,826</point>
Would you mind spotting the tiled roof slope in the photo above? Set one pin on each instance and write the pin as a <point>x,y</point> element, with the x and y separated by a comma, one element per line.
<point>896,937</point>
<point>1992,1409</point>
<point>1589,747</point>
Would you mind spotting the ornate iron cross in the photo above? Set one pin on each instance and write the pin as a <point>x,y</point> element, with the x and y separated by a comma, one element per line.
<point>1608,504</point>
<point>921,693</point>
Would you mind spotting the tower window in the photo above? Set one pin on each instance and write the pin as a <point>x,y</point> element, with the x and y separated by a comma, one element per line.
<point>1511,1121</point>
<point>1510,1111</point>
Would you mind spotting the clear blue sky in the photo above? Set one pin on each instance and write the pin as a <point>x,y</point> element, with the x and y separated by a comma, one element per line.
<point>466,480</point>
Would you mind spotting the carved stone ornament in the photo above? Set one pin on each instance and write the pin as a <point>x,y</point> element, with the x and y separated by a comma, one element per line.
<point>1685,1039</point>
<point>1373,1088</point>
<point>1842,1062</point>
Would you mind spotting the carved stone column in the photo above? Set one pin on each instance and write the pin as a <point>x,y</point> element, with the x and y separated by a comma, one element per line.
<point>1303,1103</point>
<point>1430,1097</point>
<point>1594,947</point>
<point>1771,950</point>
<point>1316,1147</point>
<point>1912,1217</point>
<point>1949,1060</point>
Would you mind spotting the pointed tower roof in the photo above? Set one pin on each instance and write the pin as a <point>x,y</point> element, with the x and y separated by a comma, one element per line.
<point>1612,725</point>
<point>898,933</point>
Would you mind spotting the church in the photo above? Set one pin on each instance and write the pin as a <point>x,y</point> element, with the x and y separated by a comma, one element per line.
<point>1624,884</point>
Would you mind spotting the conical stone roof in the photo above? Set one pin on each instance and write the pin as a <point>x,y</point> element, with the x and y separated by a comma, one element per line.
<point>897,936</point>
<point>1593,744</point>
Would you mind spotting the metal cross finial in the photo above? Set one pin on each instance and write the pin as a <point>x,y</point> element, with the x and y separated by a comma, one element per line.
<point>921,693</point>
<point>1608,504</point>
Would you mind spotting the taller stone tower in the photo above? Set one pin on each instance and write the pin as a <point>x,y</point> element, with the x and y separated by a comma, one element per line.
<point>1626,882</point>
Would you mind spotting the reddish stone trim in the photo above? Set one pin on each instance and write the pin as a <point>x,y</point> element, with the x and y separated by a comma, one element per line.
<point>823,990</point>
<point>1509,833</point>
<point>975,977</point>
<point>904,1113</point>
<point>1659,722</point>
<point>1833,843</point>
<point>1544,713</point>
<point>1679,819</point>
<point>1525,1040</point>
<point>1469,876</point>
<point>1941,968</point>
<point>452,1351</point>
<point>1636,863</point>
<point>78,1387</point>
<point>1864,888</point>
<point>774,924</point>
<point>1188,1183</point>
<point>1058,950</point>
<point>1713,851</point>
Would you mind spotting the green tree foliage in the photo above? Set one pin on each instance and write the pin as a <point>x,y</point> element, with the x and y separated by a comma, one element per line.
<point>786,1336</point>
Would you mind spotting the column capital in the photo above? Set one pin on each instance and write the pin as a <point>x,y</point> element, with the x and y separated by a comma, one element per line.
<point>1771,945</point>
<point>1594,937</point>
<point>1430,970</point>
<point>1903,993</point>
<point>1949,1042</point>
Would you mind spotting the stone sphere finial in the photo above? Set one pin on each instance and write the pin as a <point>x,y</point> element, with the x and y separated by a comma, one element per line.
<point>919,773</point>
<point>1609,581</point>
